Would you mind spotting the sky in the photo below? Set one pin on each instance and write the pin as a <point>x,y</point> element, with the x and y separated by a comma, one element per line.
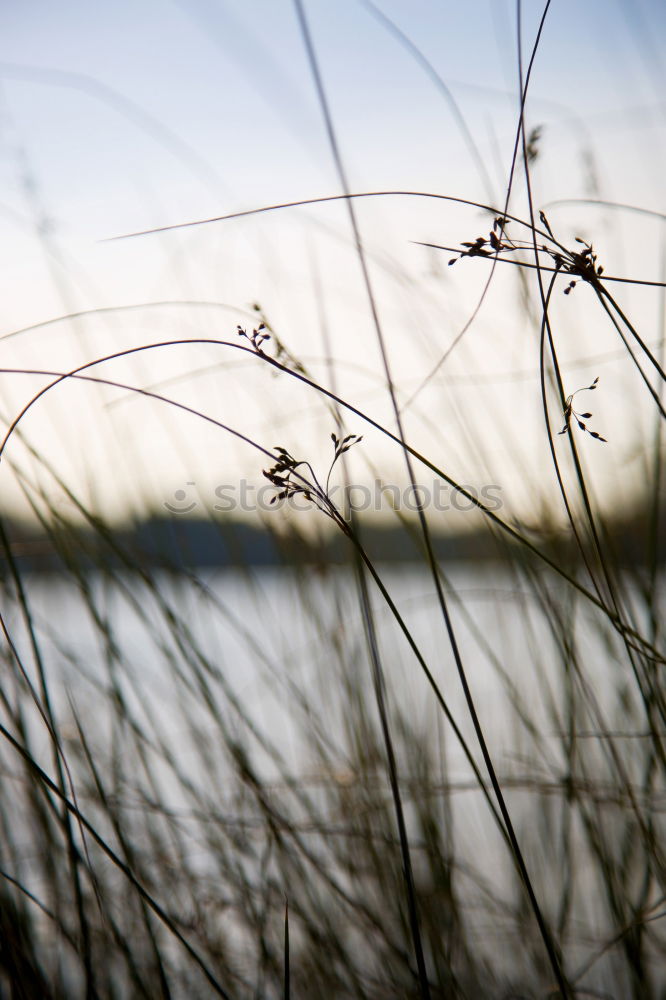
<point>124,117</point>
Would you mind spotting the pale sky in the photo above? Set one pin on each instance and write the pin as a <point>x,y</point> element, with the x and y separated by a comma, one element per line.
<point>120,117</point>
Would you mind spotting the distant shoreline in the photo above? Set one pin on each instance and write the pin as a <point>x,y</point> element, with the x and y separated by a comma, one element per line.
<point>187,543</point>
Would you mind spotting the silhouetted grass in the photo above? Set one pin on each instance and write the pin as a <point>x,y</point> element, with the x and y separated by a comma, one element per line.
<point>311,781</point>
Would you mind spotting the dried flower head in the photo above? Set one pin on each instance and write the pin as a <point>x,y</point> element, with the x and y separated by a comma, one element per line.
<point>571,414</point>
<point>297,477</point>
<point>256,338</point>
<point>532,144</point>
<point>581,264</point>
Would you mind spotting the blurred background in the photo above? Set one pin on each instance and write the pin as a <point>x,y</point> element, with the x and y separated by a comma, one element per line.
<point>129,117</point>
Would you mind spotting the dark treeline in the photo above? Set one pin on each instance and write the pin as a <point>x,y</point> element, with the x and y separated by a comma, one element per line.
<point>179,542</point>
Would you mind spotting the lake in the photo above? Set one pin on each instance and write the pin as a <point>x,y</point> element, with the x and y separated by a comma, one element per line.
<point>185,685</point>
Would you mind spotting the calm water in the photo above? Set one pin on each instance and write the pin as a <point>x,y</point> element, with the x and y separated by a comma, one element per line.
<point>279,650</point>
<point>273,634</point>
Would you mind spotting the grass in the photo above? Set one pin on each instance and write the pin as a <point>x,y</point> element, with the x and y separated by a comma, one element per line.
<point>315,782</point>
